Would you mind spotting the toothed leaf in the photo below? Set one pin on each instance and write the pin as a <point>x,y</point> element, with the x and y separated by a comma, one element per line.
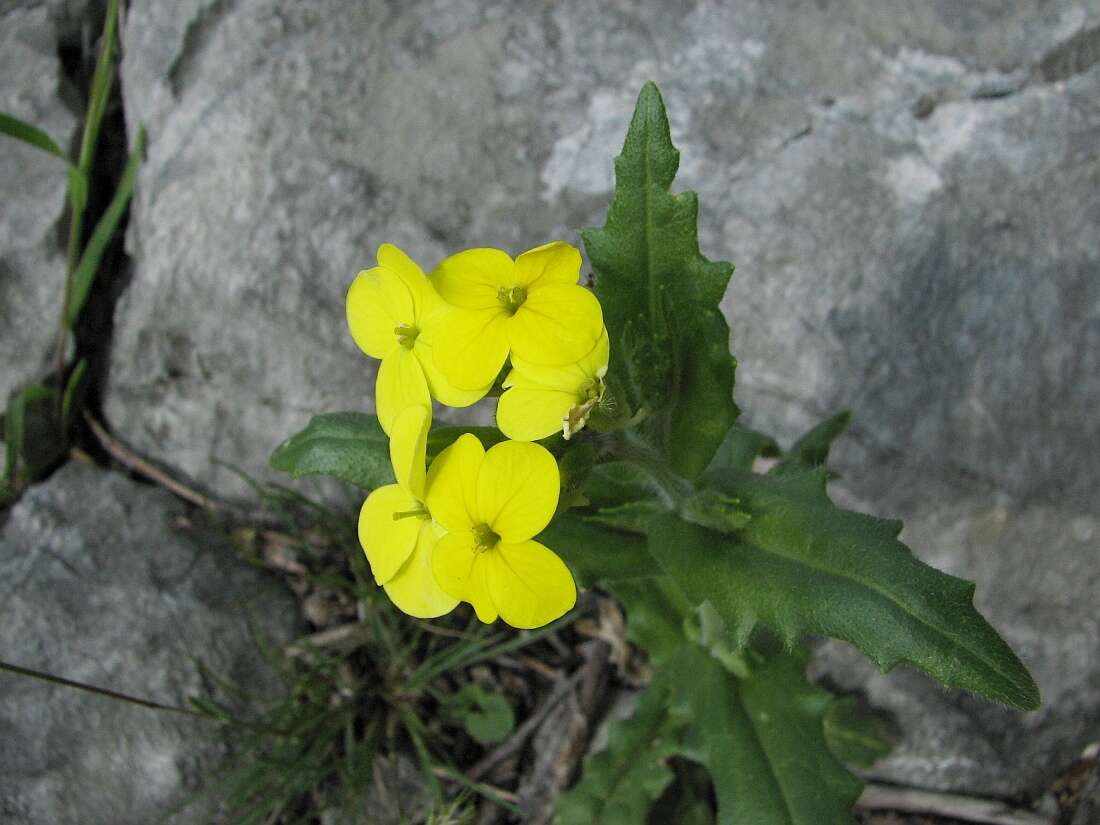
<point>802,565</point>
<point>660,298</point>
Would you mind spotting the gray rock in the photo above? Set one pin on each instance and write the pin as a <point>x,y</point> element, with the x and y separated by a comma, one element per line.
<point>1037,578</point>
<point>288,140</point>
<point>910,195</point>
<point>938,277</point>
<point>32,260</point>
<point>1088,808</point>
<point>103,584</point>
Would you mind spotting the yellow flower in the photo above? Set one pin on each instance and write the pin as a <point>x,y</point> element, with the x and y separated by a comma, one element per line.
<point>396,529</point>
<point>492,504</point>
<point>532,307</point>
<point>539,401</point>
<point>394,314</point>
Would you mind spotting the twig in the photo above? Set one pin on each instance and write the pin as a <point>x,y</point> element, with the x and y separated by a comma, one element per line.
<point>343,638</point>
<point>514,742</point>
<point>127,457</point>
<point>484,787</point>
<point>955,806</point>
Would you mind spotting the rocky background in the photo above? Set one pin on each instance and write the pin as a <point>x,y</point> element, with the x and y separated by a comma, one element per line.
<point>911,193</point>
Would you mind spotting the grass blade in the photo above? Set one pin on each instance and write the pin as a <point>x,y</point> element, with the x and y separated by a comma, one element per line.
<point>21,130</point>
<point>13,433</point>
<point>85,272</point>
<point>73,388</point>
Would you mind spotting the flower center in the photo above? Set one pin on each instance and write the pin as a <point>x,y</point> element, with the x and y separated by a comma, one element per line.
<point>485,538</point>
<point>406,335</point>
<point>590,396</point>
<point>418,512</point>
<point>512,298</point>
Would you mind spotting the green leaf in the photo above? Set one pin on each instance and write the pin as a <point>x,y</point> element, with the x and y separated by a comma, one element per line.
<point>812,449</point>
<point>763,741</point>
<point>741,447</point>
<point>620,783</point>
<point>78,190</point>
<point>655,613</point>
<point>803,565</point>
<point>350,446</point>
<point>615,483</point>
<point>86,270</point>
<point>100,91</point>
<point>660,298</point>
<point>487,717</point>
<point>21,130</point>
<point>856,736</point>
<point>74,391</point>
<point>13,434</point>
<point>440,438</point>
<point>598,554</point>
<point>632,516</point>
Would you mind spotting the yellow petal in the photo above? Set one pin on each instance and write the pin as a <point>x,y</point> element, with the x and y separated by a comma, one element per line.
<point>396,260</point>
<point>377,302</point>
<point>400,384</point>
<point>557,324</point>
<point>553,263</point>
<point>470,346</point>
<point>451,493</point>
<point>426,300</point>
<point>571,378</point>
<point>461,572</point>
<point>441,389</point>
<point>414,589</point>
<point>530,586</point>
<point>530,414</point>
<point>388,543</point>
<point>408,445</point>
<point>517,490</point>
<point>470,279</point>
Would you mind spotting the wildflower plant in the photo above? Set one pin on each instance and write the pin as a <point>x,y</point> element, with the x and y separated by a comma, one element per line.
<point>618,462</point>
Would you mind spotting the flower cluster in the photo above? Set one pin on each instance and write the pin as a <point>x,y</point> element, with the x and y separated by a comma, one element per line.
<point>464,529</point>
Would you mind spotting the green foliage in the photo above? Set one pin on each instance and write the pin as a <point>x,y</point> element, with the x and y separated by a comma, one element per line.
<point>621,782</point>
<point>812,449</point>
<point>32,135</point>
<point>856,736</point>
<point>720,570</point>
<point>760,736</point>
<point>763,742</point>
<point>90,259</point>
<point>40,418</point>
<point>487,717</point>
<point>660,298</point>
<point>742,446</point>
<point>349,446</point>
<point>803,565</point>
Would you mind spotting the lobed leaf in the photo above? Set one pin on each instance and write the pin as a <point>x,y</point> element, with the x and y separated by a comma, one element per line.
<point>660,298</point>
<point>350,446</point>
<point>763,741</point>
<point>803,565</point>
